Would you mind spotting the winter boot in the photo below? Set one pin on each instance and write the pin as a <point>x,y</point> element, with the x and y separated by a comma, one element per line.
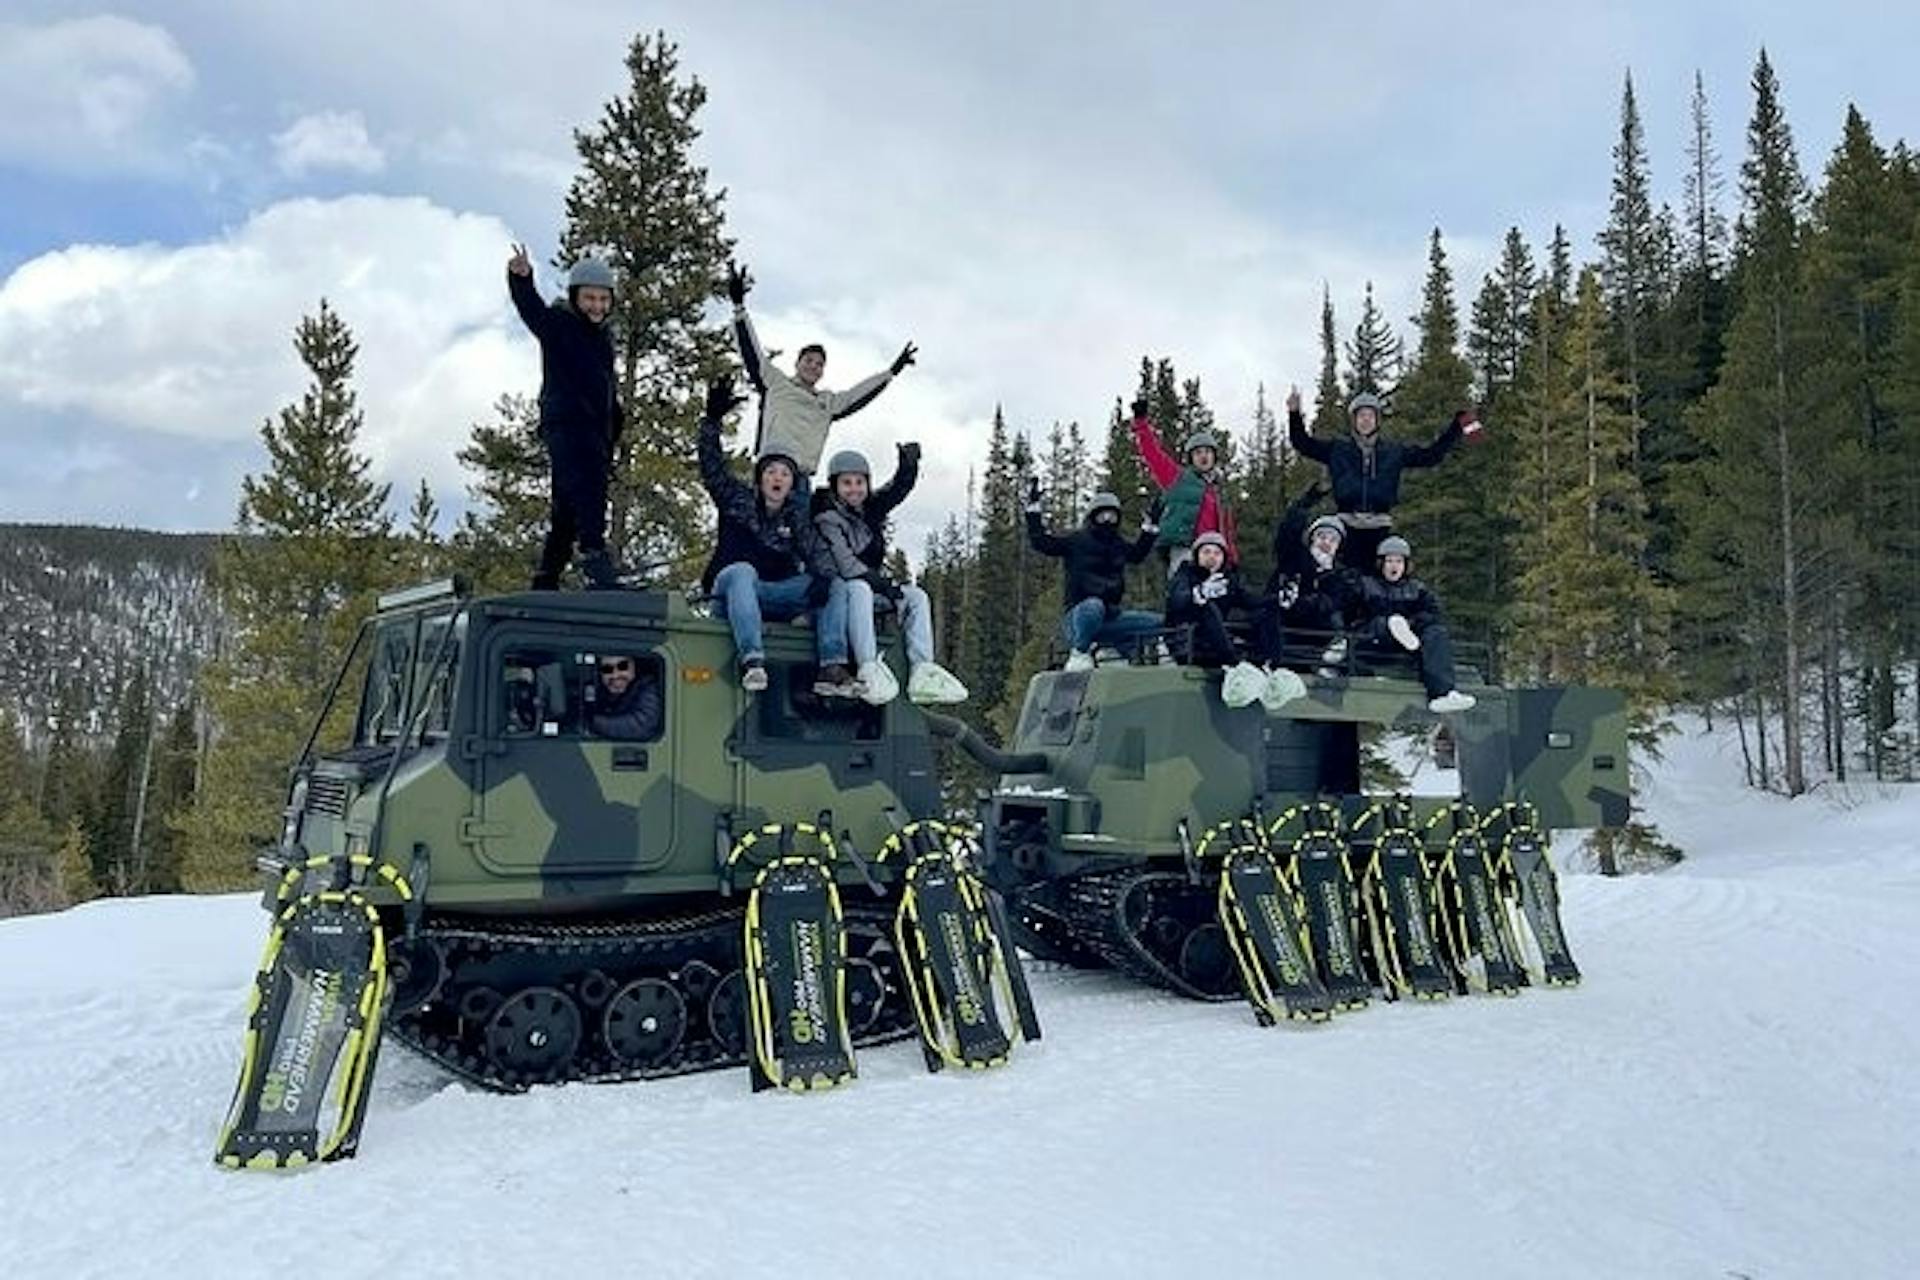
<point>931,682</point>
<point>597,568</point>
<point>1242,683</point>
<point>1282,687</point>
<point>879,687</point>
<point>835,681</point>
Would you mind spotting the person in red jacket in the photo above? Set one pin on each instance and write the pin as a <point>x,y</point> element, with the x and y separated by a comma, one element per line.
<point>1194,495</point>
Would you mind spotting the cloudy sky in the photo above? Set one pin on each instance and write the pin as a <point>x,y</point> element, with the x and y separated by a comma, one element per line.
<point>1036,192</point>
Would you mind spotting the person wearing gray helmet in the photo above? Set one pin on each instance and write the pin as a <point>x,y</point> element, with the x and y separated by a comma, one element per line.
<point>580,415</point>
<point>1398,613</point>
<point>851,518</point>
<point>1096,558</point>
<point>1365,467</point>
<point>1193,491</point>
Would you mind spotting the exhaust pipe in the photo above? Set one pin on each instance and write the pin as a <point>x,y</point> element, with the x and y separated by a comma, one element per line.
<point>962,735</point>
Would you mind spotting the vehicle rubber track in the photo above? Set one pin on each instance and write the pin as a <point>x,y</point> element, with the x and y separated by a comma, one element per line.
<point>508,1005</point>
<point>1155,926</point>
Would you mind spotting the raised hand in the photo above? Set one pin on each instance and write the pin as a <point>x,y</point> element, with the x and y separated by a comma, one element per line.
<point>738,282</point>
<point>1033,495</point>
<point>905,358</point>
<point>1293,400</point>
<point>909,453</point>
<point>520,264</point>
<point>1140,407</point>
<point>722,399</point>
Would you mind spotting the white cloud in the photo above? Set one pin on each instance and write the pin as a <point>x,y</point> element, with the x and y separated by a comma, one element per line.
<point>327,140</point>
<point>194,341</point>
<point>90,95</point>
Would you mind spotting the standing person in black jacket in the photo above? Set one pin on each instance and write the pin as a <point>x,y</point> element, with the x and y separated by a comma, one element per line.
<point>1096,559</point>
<point>1201,593</point>
<point>1399,612</point>
<point>580,414</point>
<point>764,555</point>
<point>1365,467</point>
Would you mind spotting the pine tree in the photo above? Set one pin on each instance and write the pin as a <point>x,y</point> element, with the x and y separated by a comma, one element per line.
<point>315,543</point>
<point>643,205</point>
<point>1497,341</point>
<point>73,865</point>
<point>1629,251</point>
<point>500,534</point>
<point>1261,496</point>
<point>1329,402</point>
<point>1757,423</point>
<point>1453,516</point>
<point>1002,541</point>
<point>110,825</point>
<point>425,551</point>
<point>1374,353</point>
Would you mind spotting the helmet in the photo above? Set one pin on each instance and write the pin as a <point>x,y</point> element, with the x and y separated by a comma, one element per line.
<point>590,273</point>
<point>1327,522</point>
<point>1394,546</point>
<point>1365,400</point>
<point>1211,539</point>
<point>1199,440</point>
<point>1103,501</point>
<point>848,462</point>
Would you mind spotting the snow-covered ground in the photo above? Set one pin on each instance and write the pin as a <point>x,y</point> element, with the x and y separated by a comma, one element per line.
<point>1731,1093</point>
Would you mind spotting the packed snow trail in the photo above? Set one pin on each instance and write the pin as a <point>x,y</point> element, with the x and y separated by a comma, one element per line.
<point>1730,1093</point>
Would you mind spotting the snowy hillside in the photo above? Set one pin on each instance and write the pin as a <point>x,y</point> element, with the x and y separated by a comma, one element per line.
<point>1731,1093</point>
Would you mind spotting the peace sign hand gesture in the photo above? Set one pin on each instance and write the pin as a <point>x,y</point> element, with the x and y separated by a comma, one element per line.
<point>520,264</point>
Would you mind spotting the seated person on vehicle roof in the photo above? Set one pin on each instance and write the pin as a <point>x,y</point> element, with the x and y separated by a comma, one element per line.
<point>1203,590</point>
<point>1313,588</point>
<point>764,553</point>
<point>626,703</point>
<point>1096,559</point>
<point>1398,613</point>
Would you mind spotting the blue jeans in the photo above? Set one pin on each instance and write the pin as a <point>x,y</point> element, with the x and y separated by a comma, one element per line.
<point>743,600</point>
<point>916,622</point>
<point>1088,624</point>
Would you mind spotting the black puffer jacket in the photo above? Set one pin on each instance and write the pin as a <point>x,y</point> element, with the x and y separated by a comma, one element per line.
<point>579,403</point>
<point>1369,480</point>
<point>1337,584</point>
<point>1096,558</point>
<point>778,544</point>
<point>1408,597</point>
<point>1182,607</point>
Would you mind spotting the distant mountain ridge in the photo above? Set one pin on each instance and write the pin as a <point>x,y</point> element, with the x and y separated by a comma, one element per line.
<point>87,605</point>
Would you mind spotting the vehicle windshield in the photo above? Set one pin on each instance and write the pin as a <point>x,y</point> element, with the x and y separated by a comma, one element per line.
<point>411,665</point>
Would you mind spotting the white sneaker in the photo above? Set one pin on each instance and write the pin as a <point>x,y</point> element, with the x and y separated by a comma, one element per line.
<point>1243,683</point>
<point>1402,630</point>
<point>931,682</point>
<point>878,685</point>
<point>1336,653</point>
<point>1079,660</point>
<point>753,676</point>
<point>1452,700</point>
<point>1283,686</point>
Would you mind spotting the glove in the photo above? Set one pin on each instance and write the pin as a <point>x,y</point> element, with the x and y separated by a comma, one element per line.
<point>1200,594</point>
<point>722,400</point>
<point>1150,523</point>
<point>905,358</point>
<point>738,282</point>
<point>1140,407</point>
<point>1156,509</point>
<point>1288,594</point>
<point>1033,495</point>
<point>909,454</point>
<point>1214,587</point>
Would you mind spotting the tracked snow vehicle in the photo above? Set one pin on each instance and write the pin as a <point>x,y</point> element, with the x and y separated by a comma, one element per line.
<point>1098,832</point>
<point>576,887</point>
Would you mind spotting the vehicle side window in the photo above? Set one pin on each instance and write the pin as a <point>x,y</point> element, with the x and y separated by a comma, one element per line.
<point>562,691</point>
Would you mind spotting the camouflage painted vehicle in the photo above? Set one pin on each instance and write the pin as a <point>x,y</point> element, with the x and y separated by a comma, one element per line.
<point>573,914</point>
<point>1091,836</point>
<point>572,918</point>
